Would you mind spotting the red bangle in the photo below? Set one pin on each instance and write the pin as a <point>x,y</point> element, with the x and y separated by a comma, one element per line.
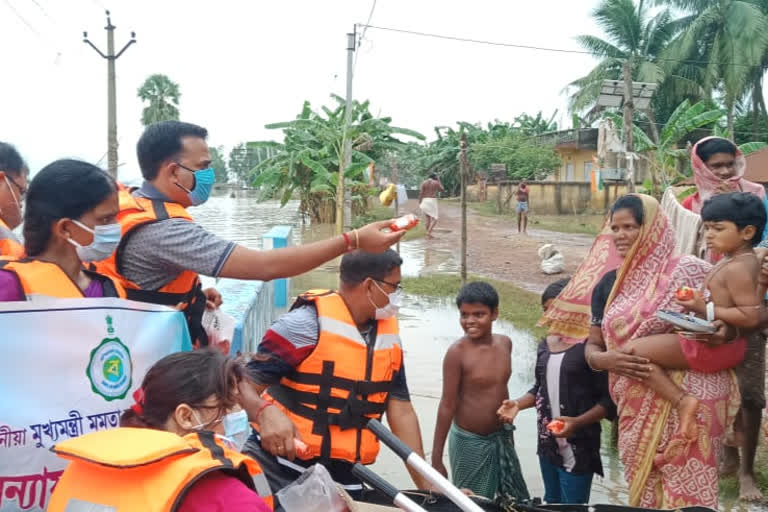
<point>347,241</point>
<point>264,405</point>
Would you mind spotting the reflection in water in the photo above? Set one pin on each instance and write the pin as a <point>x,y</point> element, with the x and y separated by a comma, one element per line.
<point>243,219</point>
<point>428,327</point>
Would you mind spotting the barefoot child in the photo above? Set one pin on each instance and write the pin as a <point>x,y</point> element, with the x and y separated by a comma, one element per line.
<point>565,389</point>
<point>734,224</point>
<point>476,370</point>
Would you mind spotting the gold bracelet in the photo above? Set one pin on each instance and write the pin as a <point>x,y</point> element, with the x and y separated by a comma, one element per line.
<point>357,239</point>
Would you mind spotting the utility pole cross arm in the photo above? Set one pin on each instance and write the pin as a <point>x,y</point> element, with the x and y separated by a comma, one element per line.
<point>111,57</point>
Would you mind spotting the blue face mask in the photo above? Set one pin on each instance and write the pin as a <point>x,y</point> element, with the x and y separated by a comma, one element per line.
<point>204,180</point>
<point>237,429</point>
<point>106,238</point>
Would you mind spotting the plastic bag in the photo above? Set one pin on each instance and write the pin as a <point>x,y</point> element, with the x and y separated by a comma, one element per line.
<point>402,195</point>
<point>388,195</point>
<point>313,491</point>
<point>552,261</point>
<point>220,328</point>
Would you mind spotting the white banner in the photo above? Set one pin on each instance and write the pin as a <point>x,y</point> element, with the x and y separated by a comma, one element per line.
<point>67,368</point>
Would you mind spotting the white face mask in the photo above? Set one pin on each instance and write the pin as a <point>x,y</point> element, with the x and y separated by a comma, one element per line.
<point>392,307</point>
<point>106,238</point>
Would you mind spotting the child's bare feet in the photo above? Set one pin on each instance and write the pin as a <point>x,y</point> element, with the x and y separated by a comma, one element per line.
<point>748,489</point>
<point>687,408</point>
<point>730,462</point>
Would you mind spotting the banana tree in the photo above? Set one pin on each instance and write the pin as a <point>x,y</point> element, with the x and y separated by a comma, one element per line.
<point>306,163</point>
<point>664,155</point>
<point>530,125</point>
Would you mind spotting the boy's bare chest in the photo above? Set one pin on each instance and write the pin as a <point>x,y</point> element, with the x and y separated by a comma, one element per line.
<point>716,284</point>
<point>486,367</point>
<point>717,290</point>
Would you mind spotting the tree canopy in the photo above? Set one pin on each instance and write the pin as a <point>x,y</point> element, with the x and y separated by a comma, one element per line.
<point>306,163</point>
<point>161,96</point>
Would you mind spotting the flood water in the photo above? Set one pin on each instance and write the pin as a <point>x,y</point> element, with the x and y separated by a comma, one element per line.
<point>428,326</point>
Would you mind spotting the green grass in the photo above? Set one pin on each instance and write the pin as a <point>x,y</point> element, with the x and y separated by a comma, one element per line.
<point>517,306</point>
<point>584,224</point>
<point>729,485</point>
<point>383,213</point>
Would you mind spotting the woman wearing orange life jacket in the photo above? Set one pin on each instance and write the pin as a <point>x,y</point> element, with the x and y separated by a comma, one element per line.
<point>69,220</point>
<point>13,185</point>
<point>177,447</point>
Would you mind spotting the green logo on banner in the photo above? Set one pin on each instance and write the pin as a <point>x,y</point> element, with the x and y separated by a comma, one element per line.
<point>110,368</point>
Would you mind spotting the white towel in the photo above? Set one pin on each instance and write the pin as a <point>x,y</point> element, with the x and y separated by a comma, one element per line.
<point>685,223</point>
<point>429,206</point>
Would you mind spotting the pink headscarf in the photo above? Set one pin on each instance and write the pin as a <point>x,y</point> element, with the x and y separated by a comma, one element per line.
<point>707,181</point>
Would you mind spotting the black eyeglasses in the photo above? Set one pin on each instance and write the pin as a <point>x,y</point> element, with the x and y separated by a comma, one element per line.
<point>398,287</point>
<point>187,168</point>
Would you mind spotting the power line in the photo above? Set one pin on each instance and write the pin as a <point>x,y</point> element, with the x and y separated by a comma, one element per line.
<point>368,23</point>
<point>365,29</point>
<point>42,10</point>
<point>53,47</point>
<point>523,46</point>
<point>23,19</point>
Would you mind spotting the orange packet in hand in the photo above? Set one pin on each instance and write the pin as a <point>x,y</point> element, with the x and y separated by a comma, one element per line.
<point>302,450</point>
<point>555,426</point>
<point>405,222</point>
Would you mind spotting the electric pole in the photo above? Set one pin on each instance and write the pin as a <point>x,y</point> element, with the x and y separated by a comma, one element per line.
<point>464,170</point>
<point>111,94</point>
<point>629,141</point>
<point>341,194</point>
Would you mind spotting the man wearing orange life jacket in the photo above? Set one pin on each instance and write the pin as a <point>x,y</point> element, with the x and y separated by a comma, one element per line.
<point>13,186</point>
<point>176,449</point>
<point>163,250</point>
<point>333,362</point>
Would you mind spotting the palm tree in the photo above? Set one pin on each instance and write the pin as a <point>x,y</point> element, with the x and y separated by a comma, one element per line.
<point>634,35</point>
<point>163,97</point>
<point>728,39</point>
<point>756,81</point>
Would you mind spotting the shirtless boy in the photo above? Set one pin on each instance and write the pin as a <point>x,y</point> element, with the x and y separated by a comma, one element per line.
<point>734,224</point>
<point>476,370</point>
<point>428,201</point>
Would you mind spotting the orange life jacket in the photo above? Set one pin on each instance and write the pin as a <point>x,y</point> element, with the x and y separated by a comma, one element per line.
<point>131,469</point>
<point>9,245</point>
<point>344,382</point>
<point>39,278</point>
<point>185,289</point>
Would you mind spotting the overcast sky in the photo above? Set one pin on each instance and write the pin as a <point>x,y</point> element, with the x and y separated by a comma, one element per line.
<point>242,64</point>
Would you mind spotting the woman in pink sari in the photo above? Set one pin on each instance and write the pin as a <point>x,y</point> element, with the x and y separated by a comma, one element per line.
<point>662,468</point>
<point>718,167</point>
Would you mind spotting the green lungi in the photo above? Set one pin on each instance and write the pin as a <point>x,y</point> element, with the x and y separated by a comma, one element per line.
<point>488,465</point>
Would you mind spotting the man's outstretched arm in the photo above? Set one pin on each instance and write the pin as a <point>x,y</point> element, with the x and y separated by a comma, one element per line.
<point>246,263</point>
